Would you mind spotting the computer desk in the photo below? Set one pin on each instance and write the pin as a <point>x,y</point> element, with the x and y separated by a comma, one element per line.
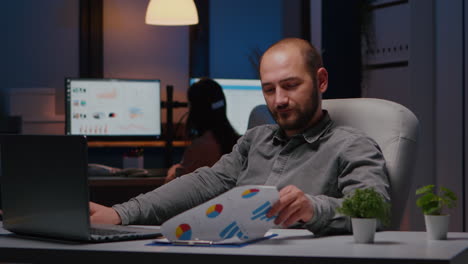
<point>112,190</point>
<point>141,144</point>
<point>290,246</point>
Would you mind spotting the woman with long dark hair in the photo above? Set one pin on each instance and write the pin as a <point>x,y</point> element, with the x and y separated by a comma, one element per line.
<point>207,127</point>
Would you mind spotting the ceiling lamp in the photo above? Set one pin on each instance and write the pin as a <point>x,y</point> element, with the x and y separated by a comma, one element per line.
<point>171,13</point>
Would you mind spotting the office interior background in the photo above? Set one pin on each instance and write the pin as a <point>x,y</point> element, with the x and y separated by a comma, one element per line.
<point>412,52</point>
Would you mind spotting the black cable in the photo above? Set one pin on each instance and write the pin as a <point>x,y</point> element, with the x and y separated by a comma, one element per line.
<point>179,123</point>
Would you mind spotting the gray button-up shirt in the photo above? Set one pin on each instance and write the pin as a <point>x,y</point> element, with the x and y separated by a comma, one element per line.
<point>326,162</point>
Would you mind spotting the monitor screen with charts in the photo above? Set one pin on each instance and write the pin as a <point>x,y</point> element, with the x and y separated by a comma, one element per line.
<point>113,108</point>
<point>242,95</point>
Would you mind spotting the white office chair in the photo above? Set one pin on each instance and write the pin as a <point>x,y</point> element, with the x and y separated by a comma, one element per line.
<point>393,126</point>
<point>259,116</point>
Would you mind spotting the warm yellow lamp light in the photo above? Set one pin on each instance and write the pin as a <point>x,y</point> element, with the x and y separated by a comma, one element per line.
<point>171,12</point>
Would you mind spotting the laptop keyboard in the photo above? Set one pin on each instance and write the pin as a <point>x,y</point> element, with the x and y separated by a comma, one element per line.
<point>108,232</point>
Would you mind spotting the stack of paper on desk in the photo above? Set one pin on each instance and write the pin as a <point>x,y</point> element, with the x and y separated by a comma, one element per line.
<point>236,216</point>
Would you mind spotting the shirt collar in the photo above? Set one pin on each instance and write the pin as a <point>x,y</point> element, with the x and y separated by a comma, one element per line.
<point>311,134</point>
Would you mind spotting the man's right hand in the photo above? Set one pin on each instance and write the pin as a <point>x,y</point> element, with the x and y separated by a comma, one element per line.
<point>171,173</point>
<point>100,214</point>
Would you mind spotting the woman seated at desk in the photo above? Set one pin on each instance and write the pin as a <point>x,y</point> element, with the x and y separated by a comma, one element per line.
<point>207,127</point>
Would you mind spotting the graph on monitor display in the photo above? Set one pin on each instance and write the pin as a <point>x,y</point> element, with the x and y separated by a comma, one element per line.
<point>113,108</point>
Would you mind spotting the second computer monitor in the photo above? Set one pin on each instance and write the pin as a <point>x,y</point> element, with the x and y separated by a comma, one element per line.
<point>242,95</point>
<point>113,108</point>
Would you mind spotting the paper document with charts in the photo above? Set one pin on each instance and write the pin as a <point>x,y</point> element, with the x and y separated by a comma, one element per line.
<point>236,216</point>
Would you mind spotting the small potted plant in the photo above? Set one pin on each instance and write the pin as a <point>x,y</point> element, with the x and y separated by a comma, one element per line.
<point>433,206</point>
<point>365,207</point>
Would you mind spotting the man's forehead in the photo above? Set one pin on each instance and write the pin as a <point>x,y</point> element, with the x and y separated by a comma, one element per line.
<point>283,53</point>
<point>286,60</point>
<point>283,48</point>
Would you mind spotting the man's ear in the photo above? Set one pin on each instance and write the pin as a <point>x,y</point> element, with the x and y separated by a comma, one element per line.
<point>322,79</point>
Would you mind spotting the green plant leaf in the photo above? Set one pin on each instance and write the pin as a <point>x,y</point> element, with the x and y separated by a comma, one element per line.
<point>426,199</point>
<point>425,189</point>
<point>366,203</point>
<point>448,194</point>
<point>431,211</point>
<point>432,203</point>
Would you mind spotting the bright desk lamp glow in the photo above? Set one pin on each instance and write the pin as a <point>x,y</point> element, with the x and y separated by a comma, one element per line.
<point>171,12</point>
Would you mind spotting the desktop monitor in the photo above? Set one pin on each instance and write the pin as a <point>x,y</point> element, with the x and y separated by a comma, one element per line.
<point>121,109</point>
<point>242,95</point>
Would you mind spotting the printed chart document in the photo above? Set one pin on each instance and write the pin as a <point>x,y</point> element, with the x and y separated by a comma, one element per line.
<point>237,216</point>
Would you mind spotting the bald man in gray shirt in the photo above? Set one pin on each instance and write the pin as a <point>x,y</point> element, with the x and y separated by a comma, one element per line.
<point>311,161</point>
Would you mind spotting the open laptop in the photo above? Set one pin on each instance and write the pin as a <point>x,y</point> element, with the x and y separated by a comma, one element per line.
<point>44,190</point>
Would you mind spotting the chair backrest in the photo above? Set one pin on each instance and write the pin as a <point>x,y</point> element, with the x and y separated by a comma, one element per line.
<point>394,128</point>
<point>260,116</point>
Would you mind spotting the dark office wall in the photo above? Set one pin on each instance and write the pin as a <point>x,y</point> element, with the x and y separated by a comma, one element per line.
<point>233,34</point>
<point>39,46</point>
<point>239,30</point>
<point>341,45</point>
<point>199,41</point>
<point>133,49</point>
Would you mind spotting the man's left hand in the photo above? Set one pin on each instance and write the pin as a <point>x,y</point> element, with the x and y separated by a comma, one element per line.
<point>292,206</point>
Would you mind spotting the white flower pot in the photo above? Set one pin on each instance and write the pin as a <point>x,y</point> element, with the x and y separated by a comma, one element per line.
<point>437,226</point>
<point>364,230</point>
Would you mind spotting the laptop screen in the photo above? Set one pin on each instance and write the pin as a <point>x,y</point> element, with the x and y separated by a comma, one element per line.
<point>45,191</point>
<point>44,184</point>
<point>113,108</point>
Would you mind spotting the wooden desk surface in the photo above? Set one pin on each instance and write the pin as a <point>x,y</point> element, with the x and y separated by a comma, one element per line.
<point>290,246</point>
<point>159,143</point>
<point>106,181</point>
